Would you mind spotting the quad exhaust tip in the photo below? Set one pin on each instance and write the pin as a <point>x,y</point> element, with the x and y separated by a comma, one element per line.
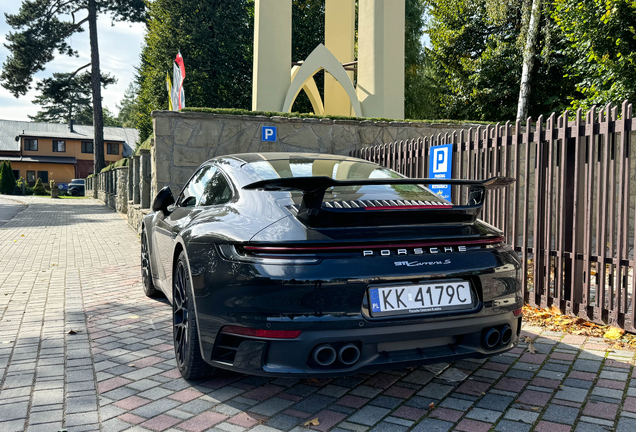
<point>492,338</point>
<point>506,335</point>
<point>497,337</point>
<point>325,355</point>
<point>349,354</point>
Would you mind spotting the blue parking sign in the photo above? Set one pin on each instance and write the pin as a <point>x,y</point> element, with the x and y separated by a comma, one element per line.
<point>441,167</point>
<point>269,134</point>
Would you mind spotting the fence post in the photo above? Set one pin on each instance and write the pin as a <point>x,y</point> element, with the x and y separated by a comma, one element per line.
<point>144,182</point>
<point>136,179</point>
<point>129,180</point>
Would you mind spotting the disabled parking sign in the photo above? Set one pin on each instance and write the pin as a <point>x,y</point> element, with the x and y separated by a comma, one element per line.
<point>269,134</point>
<point>441,167</point>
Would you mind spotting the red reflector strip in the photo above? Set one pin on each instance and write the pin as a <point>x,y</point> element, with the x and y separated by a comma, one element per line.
<point>518,312</point>
<point>267,334</point>
<point>276,249</point>
<point>428,207</point>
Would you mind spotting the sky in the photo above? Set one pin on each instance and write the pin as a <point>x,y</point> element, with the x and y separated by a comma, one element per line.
<point>119,50</point>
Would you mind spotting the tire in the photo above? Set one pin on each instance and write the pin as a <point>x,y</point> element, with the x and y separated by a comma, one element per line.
<point>146,270</point>
<point>184,326</point>
<point>74,192</point>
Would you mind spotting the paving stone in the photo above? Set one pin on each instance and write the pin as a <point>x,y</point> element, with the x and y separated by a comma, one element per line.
<point>521,415</point>
<point>571,394</point>
<point>510,426</point>
<point>275,405</point>
<point>626,424</point>
<point>494,402</point>
<point>561,414</point>
<point>619,376</point>
<point>369,415</point>
<point>432,425</point>
<point>601,410</point>
<point>483,415</point>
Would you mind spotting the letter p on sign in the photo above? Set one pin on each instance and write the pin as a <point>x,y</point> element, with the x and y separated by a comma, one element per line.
<point>440,160</point>
<point>268,134</point>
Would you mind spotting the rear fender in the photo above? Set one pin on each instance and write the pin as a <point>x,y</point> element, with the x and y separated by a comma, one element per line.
<point>193,281</point>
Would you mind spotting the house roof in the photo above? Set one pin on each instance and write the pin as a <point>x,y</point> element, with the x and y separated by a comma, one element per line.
<point>10,129</point>
<point>42,159</point>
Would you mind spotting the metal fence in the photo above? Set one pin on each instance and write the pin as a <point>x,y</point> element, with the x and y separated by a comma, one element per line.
<point>570,215</point>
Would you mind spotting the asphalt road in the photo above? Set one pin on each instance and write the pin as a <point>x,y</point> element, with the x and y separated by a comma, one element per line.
<point>8,209</point>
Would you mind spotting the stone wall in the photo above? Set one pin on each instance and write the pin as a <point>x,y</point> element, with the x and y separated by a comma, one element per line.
<point>183,141</point>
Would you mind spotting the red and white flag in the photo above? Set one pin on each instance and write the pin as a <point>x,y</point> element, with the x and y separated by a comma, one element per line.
<point>178,94</point>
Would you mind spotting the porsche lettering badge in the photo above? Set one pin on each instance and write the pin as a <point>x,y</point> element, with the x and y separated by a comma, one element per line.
<point>414,251</point>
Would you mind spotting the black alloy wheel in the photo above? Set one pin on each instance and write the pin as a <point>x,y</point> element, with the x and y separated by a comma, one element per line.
<point>146,272</point>
<point>74,192</point>
<point>184,325</point>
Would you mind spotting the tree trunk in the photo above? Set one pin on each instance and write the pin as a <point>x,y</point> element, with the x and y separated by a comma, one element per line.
<point>98,117</point>
<point>528,60</point>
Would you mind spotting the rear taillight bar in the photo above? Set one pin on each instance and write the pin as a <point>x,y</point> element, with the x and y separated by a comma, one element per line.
<point>265,334</point>
<point>309,249</point>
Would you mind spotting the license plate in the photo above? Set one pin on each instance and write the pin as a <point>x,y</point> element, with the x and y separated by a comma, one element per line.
<point>435,296</point>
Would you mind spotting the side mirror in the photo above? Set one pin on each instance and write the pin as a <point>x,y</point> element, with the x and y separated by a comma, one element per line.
<point>163,199</point>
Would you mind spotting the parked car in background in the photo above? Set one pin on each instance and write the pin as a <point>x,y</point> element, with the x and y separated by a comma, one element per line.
<point>76,187</point>
<point>300,265</point>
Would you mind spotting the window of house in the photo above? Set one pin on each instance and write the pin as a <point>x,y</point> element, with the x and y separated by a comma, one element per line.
<point>112,148</point>
<point>59,146</point>
<point>30,177</point>
<point>44,176</point>
<point>31,145</point>
<point>16,174</point>
<point>87,147</point>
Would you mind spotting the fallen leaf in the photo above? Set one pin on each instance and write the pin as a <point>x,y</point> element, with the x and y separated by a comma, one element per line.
<point>72,332</point>
<point>528,339</point>
<point>614,333</point>
<point>133,317</point>
<point>313,380</point>
<point>22,235</point>
<point>536,408</point>
<point>531,349</point>
<point>431,405</point>
<point>312,422</point>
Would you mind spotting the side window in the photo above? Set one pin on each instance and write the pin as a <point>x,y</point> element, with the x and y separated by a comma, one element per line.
<point>217,191</point>
<point>193,191</point>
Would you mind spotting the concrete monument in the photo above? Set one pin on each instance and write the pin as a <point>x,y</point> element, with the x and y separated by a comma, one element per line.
<point>380,65</point>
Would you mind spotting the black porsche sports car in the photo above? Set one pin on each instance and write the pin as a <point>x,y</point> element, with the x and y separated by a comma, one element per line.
<point>293,264</point>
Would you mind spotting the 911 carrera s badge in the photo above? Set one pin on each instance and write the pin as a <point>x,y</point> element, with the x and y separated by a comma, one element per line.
<point>421,263</point>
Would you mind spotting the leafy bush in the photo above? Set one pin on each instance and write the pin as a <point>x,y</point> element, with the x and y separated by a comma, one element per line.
<point>7,179</point>
<point>38,189</point>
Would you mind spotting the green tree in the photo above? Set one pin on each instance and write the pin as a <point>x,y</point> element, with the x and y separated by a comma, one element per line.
<point>602,44</point>
<point>477,48</point>
<point>66,96</point>
<point>128,107</point>
<point>43,27</point>
<point>38,189</point>
<point>7,179</point>
<point>215,39</point>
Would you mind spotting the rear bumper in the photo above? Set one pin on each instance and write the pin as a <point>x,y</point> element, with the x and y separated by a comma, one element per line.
<point>388,347</point>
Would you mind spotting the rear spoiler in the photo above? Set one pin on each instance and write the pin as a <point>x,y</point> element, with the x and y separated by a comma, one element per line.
<point>312,213</point>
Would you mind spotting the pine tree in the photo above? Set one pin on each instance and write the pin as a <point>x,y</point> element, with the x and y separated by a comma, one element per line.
<point>38,189</point>
<point>7,179</point>
<point>42,29</point>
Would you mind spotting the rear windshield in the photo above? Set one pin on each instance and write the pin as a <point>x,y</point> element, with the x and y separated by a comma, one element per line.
<point>342,170</point>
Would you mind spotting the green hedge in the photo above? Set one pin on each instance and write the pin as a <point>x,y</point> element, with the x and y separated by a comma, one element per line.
<point>120,163</point>
<point>234,111</point>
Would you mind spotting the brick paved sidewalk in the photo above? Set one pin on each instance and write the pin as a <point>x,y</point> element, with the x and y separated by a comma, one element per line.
<point>81,348</point>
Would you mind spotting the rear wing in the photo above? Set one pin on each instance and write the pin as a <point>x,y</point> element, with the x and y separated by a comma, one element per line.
<point>313,213</point>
